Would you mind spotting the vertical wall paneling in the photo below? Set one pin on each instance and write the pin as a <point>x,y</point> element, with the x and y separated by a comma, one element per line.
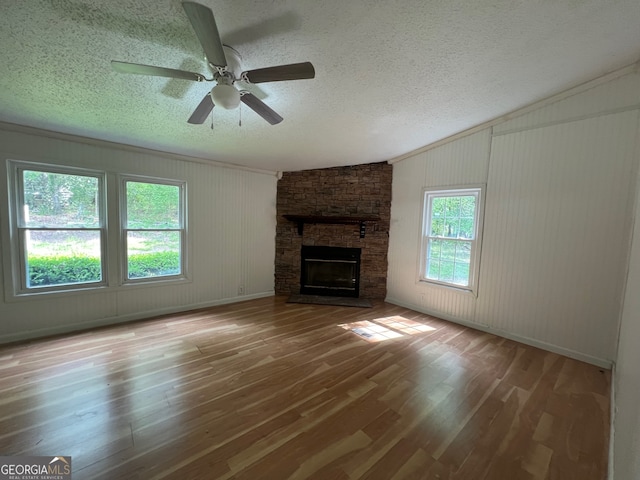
<point>556,227</point>
<point>404,233</point>
<point>626,440</point>
<point>231,225</point>
<point>463,162</point>
<point>556,232</point>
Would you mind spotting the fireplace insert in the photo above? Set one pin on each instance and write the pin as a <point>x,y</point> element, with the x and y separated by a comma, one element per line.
<point>333,271</point>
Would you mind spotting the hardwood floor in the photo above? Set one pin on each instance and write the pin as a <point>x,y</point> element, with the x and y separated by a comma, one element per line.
<point>269,390</point>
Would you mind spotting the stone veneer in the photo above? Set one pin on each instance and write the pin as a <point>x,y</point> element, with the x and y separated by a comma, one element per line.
<point>360,190</point>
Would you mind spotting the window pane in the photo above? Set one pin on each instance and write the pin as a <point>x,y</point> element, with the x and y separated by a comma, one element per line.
<point>152,205</point>
<point>461,274</point>
<point>62,257</point>
<point>468,206</point>
<point>446,271</point>
<point>463,252</point>
<point>438,227</point>
<point>452,207</point>
<point>59,200</point>
<point>433,259</point>
<point>449,250</point>
<point>433,248</point>
<point>433,269</point>
<point>438,207</point>
<point>153,254</point>
<point>452,227</point>
<point>466,228</point>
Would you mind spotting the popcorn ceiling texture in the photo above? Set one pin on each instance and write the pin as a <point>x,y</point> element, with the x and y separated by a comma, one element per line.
<point>391,77</point>
<point>362,190</point>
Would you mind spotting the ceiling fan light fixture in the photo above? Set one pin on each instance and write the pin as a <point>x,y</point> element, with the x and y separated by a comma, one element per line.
<point>225,64</point>
<point>225,96</point>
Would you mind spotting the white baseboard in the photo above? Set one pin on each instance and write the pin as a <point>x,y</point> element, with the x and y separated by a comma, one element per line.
<point>74,327</point>
<point>599,362</point>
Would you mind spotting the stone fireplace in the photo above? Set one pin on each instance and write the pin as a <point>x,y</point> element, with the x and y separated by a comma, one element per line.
<point>343,207</point>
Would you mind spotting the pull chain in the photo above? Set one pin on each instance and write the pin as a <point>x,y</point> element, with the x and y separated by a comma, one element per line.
<point>240,121</point>
<point>211,122</point>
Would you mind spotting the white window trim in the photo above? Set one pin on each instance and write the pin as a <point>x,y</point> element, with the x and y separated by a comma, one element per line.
<point>17,287</point>
<point>474,266</point>
<point>123,179</point>
<point>113,255</point>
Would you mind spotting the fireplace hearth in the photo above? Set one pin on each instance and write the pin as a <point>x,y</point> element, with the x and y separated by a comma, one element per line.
<point>332,271</point>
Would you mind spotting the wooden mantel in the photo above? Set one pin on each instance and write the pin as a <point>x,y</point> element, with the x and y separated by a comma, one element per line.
<point>300,220</point>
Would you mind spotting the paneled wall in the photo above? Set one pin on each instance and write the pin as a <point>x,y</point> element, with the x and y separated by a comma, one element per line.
<point>559,193</point>
<point>464,162</point>
<point>231,221</point>
<point>626,438</point>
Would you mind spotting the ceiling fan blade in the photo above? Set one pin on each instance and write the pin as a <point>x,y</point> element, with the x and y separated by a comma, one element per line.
<point>138,69</point>
<point>202,111</point>
<point>295,71</point>
<point>204,24</point>
<point>258,106</point>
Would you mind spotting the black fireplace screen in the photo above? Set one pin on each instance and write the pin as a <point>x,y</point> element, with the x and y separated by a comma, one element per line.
<point>330,271</point>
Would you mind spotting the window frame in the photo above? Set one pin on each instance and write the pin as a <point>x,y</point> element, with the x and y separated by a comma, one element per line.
<point>113,257</point>
<point>123,237</point>
<point>428,195</point>
<point>19,229</point>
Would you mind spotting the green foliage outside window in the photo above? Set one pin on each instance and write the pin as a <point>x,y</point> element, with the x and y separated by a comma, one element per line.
<point>153,205</point>
<point>60,200</point>
<point>63,270</point>
<point>153,224</point>
<point>453,216</point>
<point>46,271</point>
<point>144,265</point>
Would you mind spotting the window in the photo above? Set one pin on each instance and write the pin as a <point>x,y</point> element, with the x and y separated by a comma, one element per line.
<point>450,238</point>
<point>60,238</point>
<point>153,229</point>
<point>59,218</point>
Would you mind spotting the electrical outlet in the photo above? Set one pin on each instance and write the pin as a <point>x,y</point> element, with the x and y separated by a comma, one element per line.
<point>240,289</point>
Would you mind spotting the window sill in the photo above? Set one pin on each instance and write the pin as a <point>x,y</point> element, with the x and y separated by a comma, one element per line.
<point>451,288</point>
<point>30,296</point>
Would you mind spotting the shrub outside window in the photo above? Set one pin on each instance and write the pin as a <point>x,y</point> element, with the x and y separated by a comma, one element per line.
<point>153,231</point>
<point>450,237</point>
<point>60,228</point>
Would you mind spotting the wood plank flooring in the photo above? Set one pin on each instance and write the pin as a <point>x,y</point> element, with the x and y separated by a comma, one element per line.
<point>269,390</point>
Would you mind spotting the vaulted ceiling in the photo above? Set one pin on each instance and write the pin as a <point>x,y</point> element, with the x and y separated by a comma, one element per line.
<point>391,76</point>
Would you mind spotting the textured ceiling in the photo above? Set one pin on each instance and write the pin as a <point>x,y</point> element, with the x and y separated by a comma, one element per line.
<point>391,76</point>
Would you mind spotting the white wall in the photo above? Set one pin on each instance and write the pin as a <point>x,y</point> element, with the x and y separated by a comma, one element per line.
<point>231,217</point>
<point>626,438</point>
<point>464,161</point>
<point>556,227</point>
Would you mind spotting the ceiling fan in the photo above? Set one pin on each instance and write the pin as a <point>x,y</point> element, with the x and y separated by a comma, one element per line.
<point>224,61</point>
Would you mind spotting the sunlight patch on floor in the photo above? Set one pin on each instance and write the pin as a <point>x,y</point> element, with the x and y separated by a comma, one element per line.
<point>404,325</point>
<point>386,328</point>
